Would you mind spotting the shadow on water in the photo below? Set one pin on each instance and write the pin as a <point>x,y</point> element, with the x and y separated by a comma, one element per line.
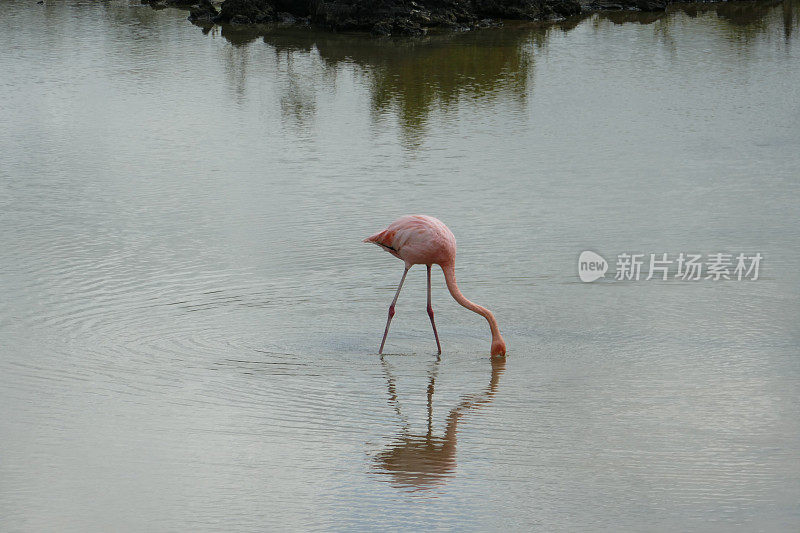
<point>424,461</point>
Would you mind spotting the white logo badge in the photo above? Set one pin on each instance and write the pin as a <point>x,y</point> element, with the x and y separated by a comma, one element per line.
<point>591,266</point>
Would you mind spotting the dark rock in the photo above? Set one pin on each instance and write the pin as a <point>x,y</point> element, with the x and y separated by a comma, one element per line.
<point>400,17</point>
<point>639,5</point>
<point>246,12</point>
<point>382,28</point>
<point>604,5</point>
<point>511,9</point>
<point>652,5</point>
<point>170,3</point>
<point>285,18</point>
<point>488,23</point>
<point>204,11</point>
<point>381,17</point>
<point>565,8</point>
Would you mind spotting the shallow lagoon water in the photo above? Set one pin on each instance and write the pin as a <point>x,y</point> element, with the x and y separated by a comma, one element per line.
<point>189,320</point>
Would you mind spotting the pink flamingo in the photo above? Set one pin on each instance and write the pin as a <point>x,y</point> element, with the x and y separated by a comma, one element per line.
<point>424,240</point>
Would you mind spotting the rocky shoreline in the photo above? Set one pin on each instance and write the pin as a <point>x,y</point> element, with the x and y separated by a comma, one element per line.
<point>397,17</point>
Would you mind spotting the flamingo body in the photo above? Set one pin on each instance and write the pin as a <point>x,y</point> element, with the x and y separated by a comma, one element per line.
<point>425,240</point>
<point>418,240</point>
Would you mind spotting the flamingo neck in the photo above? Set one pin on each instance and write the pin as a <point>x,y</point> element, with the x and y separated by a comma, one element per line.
<point>450,279</point>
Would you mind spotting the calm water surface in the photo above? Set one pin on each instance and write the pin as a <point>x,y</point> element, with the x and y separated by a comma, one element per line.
<point>189,320</point>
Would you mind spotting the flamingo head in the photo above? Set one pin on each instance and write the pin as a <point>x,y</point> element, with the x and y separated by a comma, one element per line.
<point>498,347</point>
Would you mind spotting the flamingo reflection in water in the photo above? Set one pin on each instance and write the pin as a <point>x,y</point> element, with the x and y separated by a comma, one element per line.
<point>424,461</point>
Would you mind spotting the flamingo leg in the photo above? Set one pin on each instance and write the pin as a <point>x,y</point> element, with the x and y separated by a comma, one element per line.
<point>391,309</point>
<point>430,314</point>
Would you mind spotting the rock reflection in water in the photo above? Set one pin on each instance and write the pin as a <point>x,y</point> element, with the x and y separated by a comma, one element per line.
<point>407,78</point>
<point>424,461</point>
<point>410,79</point>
